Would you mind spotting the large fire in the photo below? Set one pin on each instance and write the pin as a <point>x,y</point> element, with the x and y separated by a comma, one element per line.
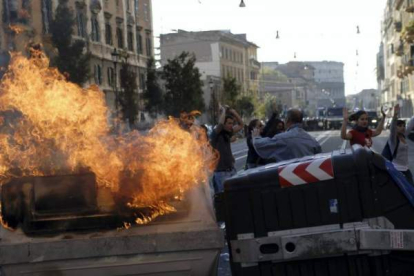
<point>49,126</point>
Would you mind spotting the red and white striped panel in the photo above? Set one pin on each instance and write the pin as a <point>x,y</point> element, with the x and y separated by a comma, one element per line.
<point>307,172</point>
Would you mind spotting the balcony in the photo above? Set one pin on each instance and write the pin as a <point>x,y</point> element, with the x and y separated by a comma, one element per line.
<point>398,4</point>
<point>410,6</point>
<point>408,32</point>
<point>400,73</point>
<point>408,64</point>
<point>399,50</point>
<point>254,63</point>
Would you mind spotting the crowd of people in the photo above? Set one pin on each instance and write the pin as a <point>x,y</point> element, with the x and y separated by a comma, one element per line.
<point>274,141</point>
<point>278,140</point>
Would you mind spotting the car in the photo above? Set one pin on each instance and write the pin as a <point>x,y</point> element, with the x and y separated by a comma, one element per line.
<point>373,118</point>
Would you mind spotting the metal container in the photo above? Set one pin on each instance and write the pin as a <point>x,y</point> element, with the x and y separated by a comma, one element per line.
<point>345,213</point>
<point>77,235</point>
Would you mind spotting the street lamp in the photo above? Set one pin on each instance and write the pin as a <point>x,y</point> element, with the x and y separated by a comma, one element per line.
<point>213,96</point>
<point>242,5</point>
<point>115,57</point>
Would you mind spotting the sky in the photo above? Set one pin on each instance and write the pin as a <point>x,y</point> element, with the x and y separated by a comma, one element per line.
<point>315,30</point>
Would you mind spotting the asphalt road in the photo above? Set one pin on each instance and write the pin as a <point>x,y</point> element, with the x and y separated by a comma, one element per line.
<point>330,141</point>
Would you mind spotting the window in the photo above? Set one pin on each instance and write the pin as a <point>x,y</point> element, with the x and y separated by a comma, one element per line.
<point>108,33</point>
<point>80,22</point>
<point>146,13</point>
<point>252,75</point>
<point>12,7</point>
<point>142,81</point>
<point>130,39</point>
<point>111,76</point>
<point>139,42</point>
<point>96,36</point>
<point>149,46</point>
<point>120,37</point>
<point>136,6</point>
<point>47,15</point>
<point>97,74</point>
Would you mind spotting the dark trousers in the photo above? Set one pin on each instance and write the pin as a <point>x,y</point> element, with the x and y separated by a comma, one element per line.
<point>409,176</point>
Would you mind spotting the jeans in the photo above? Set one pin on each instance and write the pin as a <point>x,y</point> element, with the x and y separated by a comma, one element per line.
<point>219,178</point>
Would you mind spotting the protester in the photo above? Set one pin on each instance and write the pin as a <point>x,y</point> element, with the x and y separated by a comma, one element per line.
<point>253,158</point>
<point>187,119</point>
<point>360,133</point>
<point>273,126</point>
<point>398,146</point>
<point>204,131</point>
<point>294,143</point>
<point>221,137</point>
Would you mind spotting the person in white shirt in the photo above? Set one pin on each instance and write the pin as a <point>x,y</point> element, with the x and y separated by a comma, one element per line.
<point>399,145</point>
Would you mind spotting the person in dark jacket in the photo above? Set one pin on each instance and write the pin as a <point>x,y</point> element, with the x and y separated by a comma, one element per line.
<point>230,123</point>
<point>273,127</point>
<point>253,158</point>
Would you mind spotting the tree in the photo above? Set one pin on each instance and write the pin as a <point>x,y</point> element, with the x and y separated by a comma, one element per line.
<point>153,94</point>
<point>71,58</point>
<point>231,91</point>
<point>128,96</point>
<point>183,85</point>
<point>245,106</point>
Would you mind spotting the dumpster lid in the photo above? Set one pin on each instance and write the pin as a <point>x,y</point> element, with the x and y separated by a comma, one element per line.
<point>401,181</point>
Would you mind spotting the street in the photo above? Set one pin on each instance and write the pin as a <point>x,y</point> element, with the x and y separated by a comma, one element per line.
<point>329,140</point>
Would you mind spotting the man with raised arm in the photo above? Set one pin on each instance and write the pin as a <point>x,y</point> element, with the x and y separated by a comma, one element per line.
<point>221,138</point>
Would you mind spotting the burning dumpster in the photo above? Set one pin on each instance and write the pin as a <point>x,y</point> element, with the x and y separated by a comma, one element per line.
<point>79,197</point>
<point>79,237</point>
<point>345,213</point>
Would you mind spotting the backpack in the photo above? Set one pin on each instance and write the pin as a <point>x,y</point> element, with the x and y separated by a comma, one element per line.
<point>386,152</point>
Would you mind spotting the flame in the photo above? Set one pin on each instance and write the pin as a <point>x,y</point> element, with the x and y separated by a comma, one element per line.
<point>3,223</point>
<point>50,126</point>
<point>17,29</point>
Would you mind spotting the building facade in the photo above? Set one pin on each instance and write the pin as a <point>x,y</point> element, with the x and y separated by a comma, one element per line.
<point>104,25</point>
<point>395,65</point>
<point>329,78</point>
<point>219,54</point>
<point>310,84</point>
<point>367,99</point>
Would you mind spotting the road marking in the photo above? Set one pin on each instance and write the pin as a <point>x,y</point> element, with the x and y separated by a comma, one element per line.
<point>323,135</point>
<point>323,142</point>
<point>320,136</point>
<point>240,151</point>
<point>241,157</point>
